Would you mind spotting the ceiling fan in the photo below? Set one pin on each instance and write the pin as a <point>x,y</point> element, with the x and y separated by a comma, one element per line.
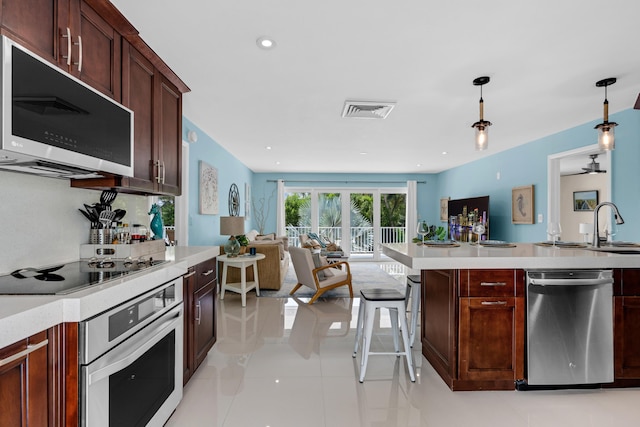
<point>593,167</point>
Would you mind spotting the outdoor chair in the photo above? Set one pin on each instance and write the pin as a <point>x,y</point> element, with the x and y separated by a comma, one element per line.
<point>314,272</point>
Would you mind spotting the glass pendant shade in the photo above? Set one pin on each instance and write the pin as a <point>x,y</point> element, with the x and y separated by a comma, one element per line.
<point>606,136</point>
<point>482,138</point>
<point>606,129</point>
<point>482,125</point>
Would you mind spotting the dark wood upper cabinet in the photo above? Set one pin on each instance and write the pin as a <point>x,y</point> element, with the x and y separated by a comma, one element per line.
<point>96,50</point>
<point>38,25</point>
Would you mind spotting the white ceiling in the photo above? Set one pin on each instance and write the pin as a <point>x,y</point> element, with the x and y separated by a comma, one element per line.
<point>543,58</point>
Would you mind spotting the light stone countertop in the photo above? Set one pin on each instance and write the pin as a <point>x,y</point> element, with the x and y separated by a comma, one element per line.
<point>24,315</point>
<point>523,255</point>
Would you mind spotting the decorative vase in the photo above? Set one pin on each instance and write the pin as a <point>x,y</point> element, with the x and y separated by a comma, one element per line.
<point>232,247</point>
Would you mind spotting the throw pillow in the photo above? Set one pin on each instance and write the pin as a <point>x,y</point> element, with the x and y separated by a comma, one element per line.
<point>318,263</point>
<point>327,273</point>
<point>270,236</point>
<point>317,238</point>
<point>252,235</point>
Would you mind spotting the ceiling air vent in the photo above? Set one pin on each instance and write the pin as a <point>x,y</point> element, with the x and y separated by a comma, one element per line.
<point>367,110</point>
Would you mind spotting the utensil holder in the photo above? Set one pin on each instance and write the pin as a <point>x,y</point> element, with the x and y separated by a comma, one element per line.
<point>100,236</point>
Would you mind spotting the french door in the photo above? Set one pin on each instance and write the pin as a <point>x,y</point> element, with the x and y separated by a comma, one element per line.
<point>358,220</point>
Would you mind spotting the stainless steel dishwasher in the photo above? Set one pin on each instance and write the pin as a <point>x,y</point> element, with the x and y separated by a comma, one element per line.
<point>569,327</point>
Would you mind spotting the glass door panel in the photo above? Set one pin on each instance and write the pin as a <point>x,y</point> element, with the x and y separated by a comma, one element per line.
<point>330,216</point>
<point>361,228</point>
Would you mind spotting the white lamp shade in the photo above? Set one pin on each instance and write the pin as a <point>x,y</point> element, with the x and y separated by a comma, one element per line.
<point>586,228</point>
<point>231,225</point>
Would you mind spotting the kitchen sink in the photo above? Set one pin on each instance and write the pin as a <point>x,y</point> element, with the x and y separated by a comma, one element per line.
<point>618,248</point>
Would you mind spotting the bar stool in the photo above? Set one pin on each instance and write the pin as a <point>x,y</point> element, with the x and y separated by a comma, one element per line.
<point>372,299</point>
<point>413,291</point>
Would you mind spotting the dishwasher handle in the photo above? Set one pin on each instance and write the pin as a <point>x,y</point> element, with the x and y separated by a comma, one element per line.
<point>570,282</point>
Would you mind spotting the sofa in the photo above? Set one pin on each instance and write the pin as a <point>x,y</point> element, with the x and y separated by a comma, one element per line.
<point>272,269</point>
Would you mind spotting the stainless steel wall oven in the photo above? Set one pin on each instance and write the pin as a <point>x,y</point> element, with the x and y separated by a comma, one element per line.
<point>131,360</point>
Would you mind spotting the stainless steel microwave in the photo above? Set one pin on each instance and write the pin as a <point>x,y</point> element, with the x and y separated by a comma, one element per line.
<point>55,125</point>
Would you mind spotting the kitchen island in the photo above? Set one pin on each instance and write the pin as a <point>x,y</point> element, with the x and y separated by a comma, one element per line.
<point>473,308</point>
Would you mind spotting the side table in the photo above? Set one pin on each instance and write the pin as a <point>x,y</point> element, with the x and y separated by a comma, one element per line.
<point>242,262</point>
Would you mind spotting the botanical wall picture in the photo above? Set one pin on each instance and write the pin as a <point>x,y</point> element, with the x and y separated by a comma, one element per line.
<point>522,205</point>
<point>208,189</point>
<point>444,209</point>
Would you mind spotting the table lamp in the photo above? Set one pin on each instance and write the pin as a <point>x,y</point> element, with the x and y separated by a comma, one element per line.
<point>585,229</point>
<point>232,226</point>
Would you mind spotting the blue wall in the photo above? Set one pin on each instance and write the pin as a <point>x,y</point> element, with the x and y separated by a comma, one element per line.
<point>204,230</point>
<point>522,165</point>
<point>527,164</point>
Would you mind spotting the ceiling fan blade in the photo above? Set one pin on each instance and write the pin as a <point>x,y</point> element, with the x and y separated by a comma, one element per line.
<point>637,105</point>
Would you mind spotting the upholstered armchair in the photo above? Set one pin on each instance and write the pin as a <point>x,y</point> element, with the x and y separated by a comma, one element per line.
<point>314,272</point>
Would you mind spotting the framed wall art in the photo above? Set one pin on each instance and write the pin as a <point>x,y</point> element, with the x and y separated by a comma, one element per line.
<point>444,209</point>
<point>585,200</point>
<point>208,189</point>
<point>522,205</point>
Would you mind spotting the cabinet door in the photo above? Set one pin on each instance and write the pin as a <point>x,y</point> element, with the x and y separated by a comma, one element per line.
<point>491,338</point>
<point>626,343</point>
<point>96,53</point>
<point>39,26</point>
<point>438,320</point>
<point>24,383</point>
<point>188,286</point>
<point>169,111</point>
<point>204,334</point>
<point>138,83</point>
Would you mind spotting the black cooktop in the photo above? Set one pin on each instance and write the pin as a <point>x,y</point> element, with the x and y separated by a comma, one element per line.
<point>67,278</point>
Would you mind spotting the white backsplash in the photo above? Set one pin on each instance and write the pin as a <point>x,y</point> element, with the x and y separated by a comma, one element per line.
<point>40,222</point>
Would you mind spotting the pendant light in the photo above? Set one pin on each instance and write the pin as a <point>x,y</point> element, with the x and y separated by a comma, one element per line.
<point>482,126</point>
<point>606,132</point>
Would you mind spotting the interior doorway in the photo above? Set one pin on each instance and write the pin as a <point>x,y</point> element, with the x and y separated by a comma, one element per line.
<point>574,163</point>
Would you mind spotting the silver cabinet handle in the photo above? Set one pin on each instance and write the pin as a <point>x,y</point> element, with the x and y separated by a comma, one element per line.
<point>157,164</point>
<point>207,273</point>
<point>79,63</point>
<point>164,171</point>
<point>493,284</point>
<point>199,308</point>
<point>68,37</point>
<point>186,276</point>
<point>30,349</point>
<point>494,303</point>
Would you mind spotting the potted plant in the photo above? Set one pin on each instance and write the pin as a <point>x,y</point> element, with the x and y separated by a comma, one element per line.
<point>244,241</point>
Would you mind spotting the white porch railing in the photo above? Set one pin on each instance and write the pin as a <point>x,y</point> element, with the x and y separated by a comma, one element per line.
<point>361,237</point>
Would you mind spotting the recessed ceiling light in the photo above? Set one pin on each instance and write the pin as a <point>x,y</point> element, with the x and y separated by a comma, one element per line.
<point>268,147</point>
<point>266,43</point>
<point>418,165</point>
<point>444,153</point>
<point>277,163</point>
<point>363,153</point>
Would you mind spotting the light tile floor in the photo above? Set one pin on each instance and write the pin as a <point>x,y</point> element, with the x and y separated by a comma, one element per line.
<point>282,363</point>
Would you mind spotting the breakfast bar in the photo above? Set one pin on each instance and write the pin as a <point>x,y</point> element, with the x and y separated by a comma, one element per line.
<point>474,308</point>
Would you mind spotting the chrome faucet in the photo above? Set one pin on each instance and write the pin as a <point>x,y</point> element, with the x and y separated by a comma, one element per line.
<point>596,232</point>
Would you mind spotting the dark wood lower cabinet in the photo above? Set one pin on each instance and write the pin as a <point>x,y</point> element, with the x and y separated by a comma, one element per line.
<point>200,289</point>
<point>626,342</point>
<point>473,325</point>
<point>491,341</point>
<point>39,379</point>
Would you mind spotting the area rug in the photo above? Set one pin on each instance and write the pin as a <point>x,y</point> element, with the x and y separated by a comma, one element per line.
<point>364,275</point>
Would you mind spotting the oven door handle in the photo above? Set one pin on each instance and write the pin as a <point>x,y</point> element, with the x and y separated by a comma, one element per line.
<point>148,338</point>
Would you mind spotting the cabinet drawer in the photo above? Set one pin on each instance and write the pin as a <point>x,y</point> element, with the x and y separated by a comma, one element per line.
<point>489,283</point>
<point>205,272</point>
